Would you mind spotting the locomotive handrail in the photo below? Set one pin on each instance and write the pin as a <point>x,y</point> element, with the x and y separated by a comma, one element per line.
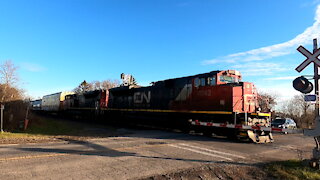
<point>164,110</point>
<point>261,114</point>
<point>241,126</point>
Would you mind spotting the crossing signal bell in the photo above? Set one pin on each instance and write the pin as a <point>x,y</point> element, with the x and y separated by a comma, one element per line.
<point>302,84</point>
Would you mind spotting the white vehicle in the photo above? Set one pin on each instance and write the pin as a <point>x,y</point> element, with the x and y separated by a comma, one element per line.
<point>285,123</point>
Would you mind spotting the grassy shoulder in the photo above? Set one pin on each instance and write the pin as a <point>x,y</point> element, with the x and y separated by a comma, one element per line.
<point>292,170</point>
<point>43,125</point>
<point>48,129</point>
<point>22,138</point>
<point>6,135</point>
<point>40,130</point>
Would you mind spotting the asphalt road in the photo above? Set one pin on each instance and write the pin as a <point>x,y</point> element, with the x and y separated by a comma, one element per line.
<point>141,154</point>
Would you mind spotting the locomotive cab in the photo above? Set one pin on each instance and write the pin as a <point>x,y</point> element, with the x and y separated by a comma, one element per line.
<point>223,77</point>
<point>229,76</point>
<point>230,101</point>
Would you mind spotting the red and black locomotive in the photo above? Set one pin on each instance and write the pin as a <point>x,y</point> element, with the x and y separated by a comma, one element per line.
<point>215,102</point>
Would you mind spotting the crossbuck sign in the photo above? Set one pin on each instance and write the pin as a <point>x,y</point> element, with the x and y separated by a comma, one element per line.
<point>310,58</point>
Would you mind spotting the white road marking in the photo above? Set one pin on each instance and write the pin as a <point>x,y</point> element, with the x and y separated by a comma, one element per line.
<point>214,151</point>
<point>201,152</point>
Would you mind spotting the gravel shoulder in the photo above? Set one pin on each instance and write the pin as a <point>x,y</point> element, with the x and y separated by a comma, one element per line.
<point>216,172</point>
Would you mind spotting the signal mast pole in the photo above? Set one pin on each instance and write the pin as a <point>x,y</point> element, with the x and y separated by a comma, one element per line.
<point>316,79</point>
<point>316,150</point>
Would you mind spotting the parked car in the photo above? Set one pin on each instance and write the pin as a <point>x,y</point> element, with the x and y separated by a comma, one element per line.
<point>285,123</point>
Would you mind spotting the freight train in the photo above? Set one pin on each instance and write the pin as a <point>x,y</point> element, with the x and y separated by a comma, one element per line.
<point>216,102</point>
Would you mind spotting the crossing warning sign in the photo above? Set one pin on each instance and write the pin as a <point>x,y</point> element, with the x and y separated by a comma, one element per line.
<point>310,58</point>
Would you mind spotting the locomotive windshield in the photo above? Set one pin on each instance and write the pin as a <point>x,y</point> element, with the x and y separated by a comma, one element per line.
<point>228,79</point>
<point>208,81</point>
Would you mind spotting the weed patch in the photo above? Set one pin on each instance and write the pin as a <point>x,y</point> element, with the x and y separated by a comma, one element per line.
<point>292,170</point>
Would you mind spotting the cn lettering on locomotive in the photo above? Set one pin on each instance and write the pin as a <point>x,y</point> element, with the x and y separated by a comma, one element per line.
<point>140,97</point>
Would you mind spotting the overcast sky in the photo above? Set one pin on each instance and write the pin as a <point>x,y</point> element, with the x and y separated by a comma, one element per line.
<point>58,44</point>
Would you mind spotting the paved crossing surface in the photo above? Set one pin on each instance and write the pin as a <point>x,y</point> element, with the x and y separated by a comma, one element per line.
<point>140,154</point>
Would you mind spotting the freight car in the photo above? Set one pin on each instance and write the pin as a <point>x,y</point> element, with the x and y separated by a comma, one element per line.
<point>215,102</point>
<point>54,102</point>
<point>36,104</point>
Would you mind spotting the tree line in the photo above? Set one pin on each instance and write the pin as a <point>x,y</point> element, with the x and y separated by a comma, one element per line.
<point>298,109</point>
<point>96,85</point>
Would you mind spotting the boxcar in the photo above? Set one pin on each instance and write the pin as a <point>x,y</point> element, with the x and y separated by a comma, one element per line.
<point>54,102</point>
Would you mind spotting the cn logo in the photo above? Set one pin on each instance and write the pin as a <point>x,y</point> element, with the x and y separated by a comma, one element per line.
<point>138,97</point>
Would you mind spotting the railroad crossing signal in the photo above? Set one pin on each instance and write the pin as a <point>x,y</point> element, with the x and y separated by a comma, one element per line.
<point>310,58</point>
<point>316,131</point>
<point>302,84</point>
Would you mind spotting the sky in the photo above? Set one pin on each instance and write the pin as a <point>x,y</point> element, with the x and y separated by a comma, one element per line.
<point>58,44</point>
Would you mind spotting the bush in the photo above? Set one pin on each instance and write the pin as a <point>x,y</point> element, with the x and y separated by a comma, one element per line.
<point>14,114</point>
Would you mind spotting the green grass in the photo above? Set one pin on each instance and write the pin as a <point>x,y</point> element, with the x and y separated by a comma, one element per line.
<point>15,135</point>
<point>292,170</point>
<point>44,127</point>
<point>51,127</point>
<point>41,128</point>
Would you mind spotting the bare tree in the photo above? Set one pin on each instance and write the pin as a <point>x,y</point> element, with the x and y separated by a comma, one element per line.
<point>9,93</point>
<point>83,87</point>
<point>108,84</point>
<point>9,79</point>
<point>8,72</point>
<point>96,85</point>
<point>267,101</point>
